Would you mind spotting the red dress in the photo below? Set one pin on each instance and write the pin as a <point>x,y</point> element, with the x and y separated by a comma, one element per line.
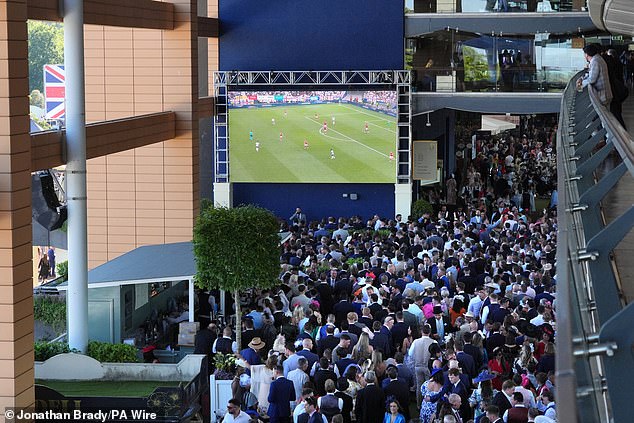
<point>539,351</point>
<point>495,366</point>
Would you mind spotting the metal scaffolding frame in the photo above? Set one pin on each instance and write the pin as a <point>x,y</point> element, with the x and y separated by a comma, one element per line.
<point>399,80</point>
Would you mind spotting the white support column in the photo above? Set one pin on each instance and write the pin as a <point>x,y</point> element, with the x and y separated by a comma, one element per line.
<point>222,304</point>
<point>191,300</point>
<point>77,298</point>
<point>223,197</point>
<point>403,199</point>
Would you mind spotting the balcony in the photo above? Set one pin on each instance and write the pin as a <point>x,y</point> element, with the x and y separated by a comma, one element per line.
<point>507,6</point>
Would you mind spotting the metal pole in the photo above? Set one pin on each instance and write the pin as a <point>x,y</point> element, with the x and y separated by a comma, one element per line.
<point>190,300</point>
<point>77,296</point>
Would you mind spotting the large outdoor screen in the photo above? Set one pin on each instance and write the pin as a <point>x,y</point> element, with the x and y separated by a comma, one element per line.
<point>312,136</point>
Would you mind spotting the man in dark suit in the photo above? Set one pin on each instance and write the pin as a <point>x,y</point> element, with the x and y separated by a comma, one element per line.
<point>496,339</point>
<point>440,325</point>
<point>370,406</point>
<point>399,331</point>
<point>467,363</point>
<point>474,352</point>
<point>306,352</point>
<point>343,287</point>
<point>410,319</point>
<point>502,400</point>
<point>329,341</point>
<point>342,308</point>
<point>353,325</point>
<point>493,414</point>
<point>380,342</point>
<point>248,333</point>
<point>322,375</point>
<point>456,386</point>
<point>342,387</point>
<point>374,306</point>
<point>324,291</point>
<point>311,415</point>
<point>204,340</point>
<point>397,389</point>
<point>281,394</point>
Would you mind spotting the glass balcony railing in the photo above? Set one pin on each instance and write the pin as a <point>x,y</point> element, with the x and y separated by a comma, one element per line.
<point>525,78</point>
<point>475,6</point>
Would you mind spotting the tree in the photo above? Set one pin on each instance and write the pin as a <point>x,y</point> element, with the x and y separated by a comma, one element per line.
<point>236,249</point>
<point>46,47</point>
<point>476,67</point>
<point>36,99</point>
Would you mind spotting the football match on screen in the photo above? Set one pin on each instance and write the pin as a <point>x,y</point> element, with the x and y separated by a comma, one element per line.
<point>312,136</point>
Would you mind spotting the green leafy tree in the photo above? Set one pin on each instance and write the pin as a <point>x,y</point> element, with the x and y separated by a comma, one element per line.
<point>36,98</point>
<point>420,207</point>
<point>236,249</point>
<point>476,67</point>
<point>46,46</point>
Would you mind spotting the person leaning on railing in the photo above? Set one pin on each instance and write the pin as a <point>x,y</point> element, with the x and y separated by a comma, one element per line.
<point>597,75</point>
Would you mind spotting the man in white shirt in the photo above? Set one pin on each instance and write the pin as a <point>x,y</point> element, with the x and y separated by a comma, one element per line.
<point>539,319</point>
<point>475,304</point>
<point>225,344</point>
<point>234,413</point>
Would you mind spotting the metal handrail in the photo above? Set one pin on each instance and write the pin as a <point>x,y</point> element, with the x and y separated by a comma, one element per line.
<point>621,138</point>
<point>593,343</point>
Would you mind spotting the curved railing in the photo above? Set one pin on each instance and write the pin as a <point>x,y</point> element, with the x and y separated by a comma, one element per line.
<point>594,334</point>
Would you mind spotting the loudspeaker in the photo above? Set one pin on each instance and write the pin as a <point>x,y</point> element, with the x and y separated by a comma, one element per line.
<point>46,209</point>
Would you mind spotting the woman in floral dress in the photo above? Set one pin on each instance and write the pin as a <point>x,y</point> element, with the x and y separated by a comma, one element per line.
<point>429,388</point>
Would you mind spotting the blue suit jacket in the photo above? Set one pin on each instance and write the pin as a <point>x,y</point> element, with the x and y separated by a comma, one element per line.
<point>281,394</point>
<point>310,356</point>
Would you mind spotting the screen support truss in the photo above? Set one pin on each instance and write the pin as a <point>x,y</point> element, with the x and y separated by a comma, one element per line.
<point>372,79</point>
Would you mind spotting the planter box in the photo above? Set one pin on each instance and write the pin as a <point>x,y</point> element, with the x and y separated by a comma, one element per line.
<point>219,395</point>
<point>81,367</point>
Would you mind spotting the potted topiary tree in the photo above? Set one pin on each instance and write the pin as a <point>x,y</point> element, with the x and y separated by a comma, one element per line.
<point>236,249</point>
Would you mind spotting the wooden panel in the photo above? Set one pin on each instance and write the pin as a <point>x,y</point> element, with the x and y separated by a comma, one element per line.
<point>123,13</point>
<point>16,269</point>
<point>205,107</point>
<point>208,27</point>
<point>104,138</point>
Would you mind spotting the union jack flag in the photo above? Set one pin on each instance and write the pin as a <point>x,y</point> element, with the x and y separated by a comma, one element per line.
<point>54,91</point>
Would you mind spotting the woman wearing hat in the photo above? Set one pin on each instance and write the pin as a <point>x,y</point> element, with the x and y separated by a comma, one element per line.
<point>252,354</point>
<point>482,395</point>
<point>430,388</point>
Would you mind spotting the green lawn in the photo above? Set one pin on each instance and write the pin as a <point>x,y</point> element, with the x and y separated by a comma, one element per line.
<point>103,389</point>
<point>359,157</point>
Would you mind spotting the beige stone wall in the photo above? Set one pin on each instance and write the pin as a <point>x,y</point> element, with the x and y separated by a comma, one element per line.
<point>212,45</point>
<point>16,286</point>
<point>148,195</point>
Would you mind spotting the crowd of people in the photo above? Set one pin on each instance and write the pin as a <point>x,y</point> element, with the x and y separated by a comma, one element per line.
<point>384,101</point>
<point>444,317</point>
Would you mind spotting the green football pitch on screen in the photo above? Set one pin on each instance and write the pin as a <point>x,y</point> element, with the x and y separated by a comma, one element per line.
<point>302,143</point>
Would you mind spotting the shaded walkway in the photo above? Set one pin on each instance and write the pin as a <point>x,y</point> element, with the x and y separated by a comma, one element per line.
<point>616,203</point>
